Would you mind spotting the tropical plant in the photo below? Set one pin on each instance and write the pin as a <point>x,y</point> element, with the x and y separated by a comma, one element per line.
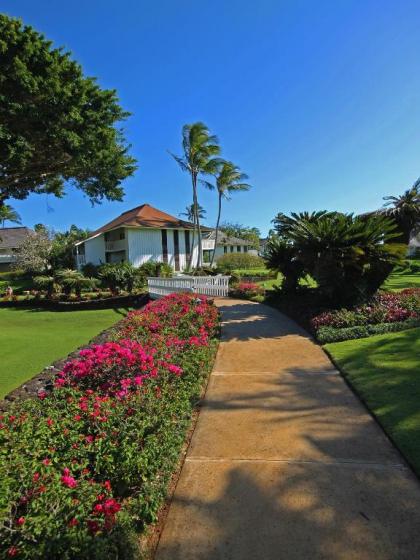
<point>229,179</point>
<point>8,214</point>
<point>63,243</point>
<point>280,255</point>
<point>405,210</point>
<point>58,127</point>
<point>199,151</point>
<point>189,212</point>
<point>121,276</point>
<point>73,280</point>
<point>349,256</point>
<point>47,283</point>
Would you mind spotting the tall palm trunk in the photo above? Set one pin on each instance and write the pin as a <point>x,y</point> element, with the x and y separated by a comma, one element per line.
<point>192,243</point>
<point>217,228</point>
<point>197,220</point>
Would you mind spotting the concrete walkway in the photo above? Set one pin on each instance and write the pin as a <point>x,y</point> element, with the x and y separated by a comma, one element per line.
<point>285,463</point>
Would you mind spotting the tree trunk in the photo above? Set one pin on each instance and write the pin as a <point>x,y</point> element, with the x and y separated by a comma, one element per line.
<point>192,245</point>
<point>217,229</point>
<point>197,220</point>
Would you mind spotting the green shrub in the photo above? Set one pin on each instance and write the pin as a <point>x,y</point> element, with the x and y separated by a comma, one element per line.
<point>332,334</point>
<point>233,261</point>
<point>155,269</point>
<point>121,276</point>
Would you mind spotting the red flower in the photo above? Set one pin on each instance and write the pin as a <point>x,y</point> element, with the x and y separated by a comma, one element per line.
<point>20,521</point>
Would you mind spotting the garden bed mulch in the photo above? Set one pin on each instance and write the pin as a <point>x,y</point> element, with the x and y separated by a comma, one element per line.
<point>103,303</point>
<point>43,380</point>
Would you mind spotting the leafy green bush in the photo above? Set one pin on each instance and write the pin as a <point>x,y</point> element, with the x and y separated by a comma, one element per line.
<point>333,334</point>
<point>156,268</point>
<point>80,468</point>
<point>121,276</point>
<point>232,261</point>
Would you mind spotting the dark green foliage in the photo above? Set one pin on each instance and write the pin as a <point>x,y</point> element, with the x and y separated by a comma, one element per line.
<point>155,269</point>
<point>121,276</point>
<point>348,256</point>
<point>56,125</point>
<point>405,210</point>
<point>63,250</point>
<point>332,334</point>
<point>232,261</point>
<point>280,255</point>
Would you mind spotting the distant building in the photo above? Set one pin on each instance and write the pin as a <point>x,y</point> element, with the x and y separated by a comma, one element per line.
<point>10,240</point>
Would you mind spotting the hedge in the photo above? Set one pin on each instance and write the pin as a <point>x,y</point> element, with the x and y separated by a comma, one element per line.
<point>84,467</point>
<point>332,334</point>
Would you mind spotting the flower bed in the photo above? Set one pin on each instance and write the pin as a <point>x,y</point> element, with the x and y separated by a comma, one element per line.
<point>246,290</point>
<point>401,309</point>
<point>85,465</point>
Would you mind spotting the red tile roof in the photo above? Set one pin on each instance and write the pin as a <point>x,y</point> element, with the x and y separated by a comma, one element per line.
<point>145,216</point>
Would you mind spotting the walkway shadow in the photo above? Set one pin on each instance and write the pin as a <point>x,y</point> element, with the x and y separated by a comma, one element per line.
<point>251,321</point>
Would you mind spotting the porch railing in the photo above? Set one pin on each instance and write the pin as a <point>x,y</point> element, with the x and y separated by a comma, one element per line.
<point>216,286</point>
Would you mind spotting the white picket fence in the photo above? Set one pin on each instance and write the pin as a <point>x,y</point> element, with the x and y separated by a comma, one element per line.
<point>216,286</point>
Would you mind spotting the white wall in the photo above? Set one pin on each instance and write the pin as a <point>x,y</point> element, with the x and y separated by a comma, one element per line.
<point>144,245</point>
<point>95,250</point>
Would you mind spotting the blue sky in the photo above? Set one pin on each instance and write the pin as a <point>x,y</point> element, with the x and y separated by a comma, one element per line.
<point>317,101</point>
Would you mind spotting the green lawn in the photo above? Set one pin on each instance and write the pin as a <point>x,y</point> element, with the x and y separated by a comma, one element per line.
<point>385,371</point>
<point>400,280</point>
<point>31,339</point>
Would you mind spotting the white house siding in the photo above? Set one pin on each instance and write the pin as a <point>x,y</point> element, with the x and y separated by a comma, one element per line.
<point>144,245</point>
<point>95,250</point>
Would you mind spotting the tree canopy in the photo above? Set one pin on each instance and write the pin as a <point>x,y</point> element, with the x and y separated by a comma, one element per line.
<point>251,234</point>
<point>56,125</point>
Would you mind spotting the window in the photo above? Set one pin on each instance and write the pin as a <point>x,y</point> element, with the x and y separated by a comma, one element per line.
<point>225,249</point>
<point>238,249</point>
<point>164,245</point>
<point>231,248</point>
<point>245,249</point>
<point>206,255</point>
<point>122,234</point>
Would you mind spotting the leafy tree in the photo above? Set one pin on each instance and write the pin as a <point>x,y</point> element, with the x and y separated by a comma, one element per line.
<point>34,254</point>
<point>62,254</point>
<point>229,179</point>
<point>251,234</point>
<point>8,214</point>
<point>405,210</point>
<point>199,151</point>
<point>56,125</point>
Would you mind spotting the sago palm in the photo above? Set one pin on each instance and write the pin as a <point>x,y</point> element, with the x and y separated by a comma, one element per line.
<point>199,150</point>
<point>229,179</point>
<point>405,209</point>
<point>9,214</point>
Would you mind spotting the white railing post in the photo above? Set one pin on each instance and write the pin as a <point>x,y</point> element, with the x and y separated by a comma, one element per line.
<point>216,286</point>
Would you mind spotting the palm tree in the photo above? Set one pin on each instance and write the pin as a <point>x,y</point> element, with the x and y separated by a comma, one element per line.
<point>199,147</point>
<point>8,214</point>
<point>229,179</point>
<point>189,212</point>
<point>405,209</point>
